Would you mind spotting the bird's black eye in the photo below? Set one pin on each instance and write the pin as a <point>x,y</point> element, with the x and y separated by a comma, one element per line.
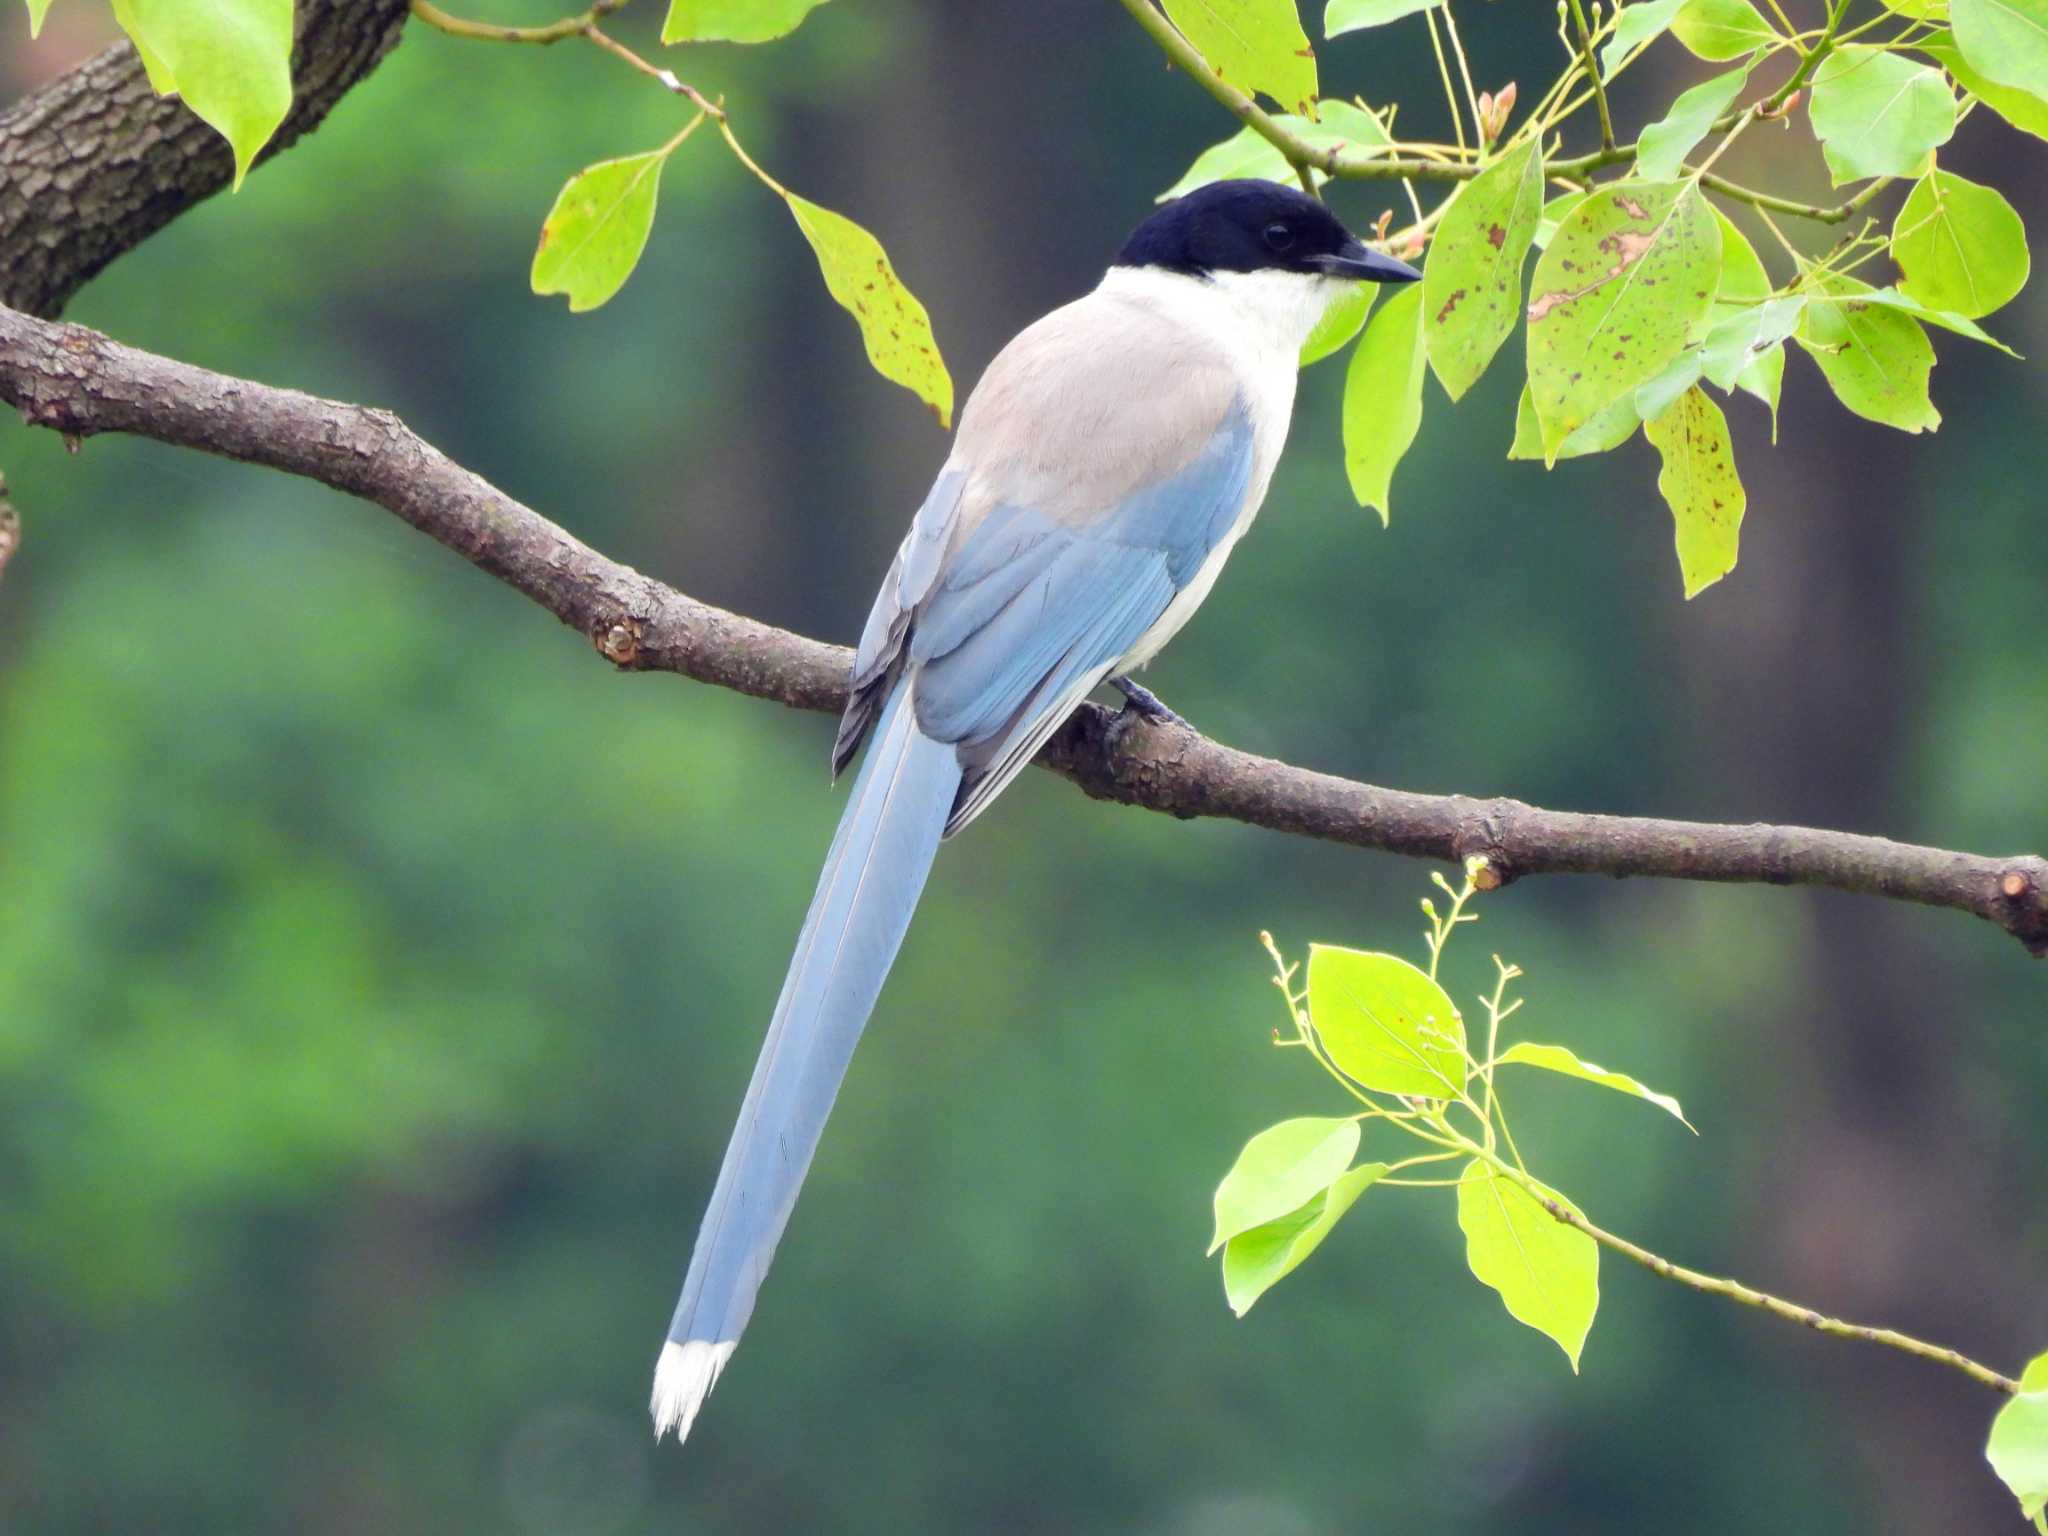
<point>1279,237</point>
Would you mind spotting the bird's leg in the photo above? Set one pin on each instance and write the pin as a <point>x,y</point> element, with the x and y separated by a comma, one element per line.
<point>1143,703</point>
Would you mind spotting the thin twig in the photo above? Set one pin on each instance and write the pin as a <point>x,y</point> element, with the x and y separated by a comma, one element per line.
<point>1749,1296</point>
<point>490,32</point>
<point>1593,72</point>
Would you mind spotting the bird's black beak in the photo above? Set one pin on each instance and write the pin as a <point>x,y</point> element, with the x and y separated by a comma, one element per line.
<point>1359,261</point>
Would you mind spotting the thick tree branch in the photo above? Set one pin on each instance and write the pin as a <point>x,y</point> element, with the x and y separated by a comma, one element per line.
<point>79,382</point>
<point>96,162</point>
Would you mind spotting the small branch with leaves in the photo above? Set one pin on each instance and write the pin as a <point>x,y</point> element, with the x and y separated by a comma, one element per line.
<point>1389,1035</point>
<point>1645,293</point>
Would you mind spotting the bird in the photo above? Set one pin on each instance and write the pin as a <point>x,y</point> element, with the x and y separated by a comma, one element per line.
<point>1105,464</point>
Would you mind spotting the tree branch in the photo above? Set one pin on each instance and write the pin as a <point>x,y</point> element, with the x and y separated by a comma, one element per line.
<point>79,382</point>
<point>95,162</point>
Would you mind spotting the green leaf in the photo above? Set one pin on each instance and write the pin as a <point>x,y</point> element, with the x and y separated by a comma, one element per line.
<point>1663,146</point>
<point>230,60</point>
<point>1255,1261</point>
<point>1610,429</point>
<point>1625,286</point>
<point>1344,319</point>
<point>158,72</point>
<point>1878,113</point>
<point>1555,212</point>
<point>2024,109</point>
<point>1547,1273</point>
<point>893,324</point>
<point>733,21</point>
<point>1765,379</point>
<point>1874,356</point>
<point>37,10</point>
<point>1655,398</point>
<point>1699,484</point>
<point>1385,1024</point>
<point>1721,29</point>
<point>1556,1058</point>
<point>1246,155</point>
<point>1281,1167</point>
<point>1962,325</point>
<point>2005,41</point>
<point>1472,285</point>
<point>1257,45</point>
<point>1740,337</point>
<point>1383,398</point>
<point>2018,1448</point>
<point>1351,15</point>
<point>1959,246</point>
<point>592,238</point>
<point>1635,26</point>
<point>1744,281</point>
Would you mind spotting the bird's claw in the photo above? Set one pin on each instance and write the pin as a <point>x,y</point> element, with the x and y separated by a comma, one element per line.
<point>1140,703</point>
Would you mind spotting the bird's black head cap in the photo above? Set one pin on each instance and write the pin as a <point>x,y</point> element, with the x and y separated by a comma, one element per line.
<point>1254,226</point>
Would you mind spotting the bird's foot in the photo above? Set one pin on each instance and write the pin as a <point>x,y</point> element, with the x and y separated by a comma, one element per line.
<point>1140,703</point>
<point>1141,700</point>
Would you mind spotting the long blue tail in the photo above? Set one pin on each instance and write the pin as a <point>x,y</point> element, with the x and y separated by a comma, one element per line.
<point>870,885</point>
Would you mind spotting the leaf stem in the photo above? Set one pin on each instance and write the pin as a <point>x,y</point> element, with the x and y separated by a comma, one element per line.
<point>1734,1290</point>
<point>1593,73</point>
<point>490,32</point>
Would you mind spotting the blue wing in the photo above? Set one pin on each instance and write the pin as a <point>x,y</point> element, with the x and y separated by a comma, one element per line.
<point>1031,611</point>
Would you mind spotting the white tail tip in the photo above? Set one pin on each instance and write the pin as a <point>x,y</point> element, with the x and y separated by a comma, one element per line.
<point>683,1378</point>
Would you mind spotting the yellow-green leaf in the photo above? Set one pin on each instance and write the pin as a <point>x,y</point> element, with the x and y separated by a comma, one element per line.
<point>1257,45</point>
<point>1959,246</point>
<point>2026,110</point>
<point>733,21</point>
<point>1547,1273</point>
<point>1344,319</point>
<point>593,236</point>
<point>1874,356</point>
<point>1664,144</point>
<point>37,9</point>
<point>2018,1448</point>
<point>1280,1168</point>
<point>1383,398</point>
<point>1634,27</point>
<point>1699,484</point>
<point>893,324</point>
<point>1878,113</point>
<point>1721,29</point>
<point>158,72</point>
<point>1385,1024</point>
<point>1609,429</point>
<point>1255,1261</point>
<point>1560,1059</point>
<point>1472,285</point>
<point>229,59</point>
<point>1341,16</point>
<point>2006,41</point>
<point>1625,286</point>
<point>1246,155</point>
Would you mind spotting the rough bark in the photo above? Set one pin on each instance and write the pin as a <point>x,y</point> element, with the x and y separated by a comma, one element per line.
<point>79,382</point>
<point>96,162</point>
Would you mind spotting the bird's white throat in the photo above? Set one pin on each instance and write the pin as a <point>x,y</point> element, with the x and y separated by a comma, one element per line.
<point>1273,311</point>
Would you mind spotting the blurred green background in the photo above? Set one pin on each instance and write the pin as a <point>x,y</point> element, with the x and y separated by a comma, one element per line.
<point>380,972</point>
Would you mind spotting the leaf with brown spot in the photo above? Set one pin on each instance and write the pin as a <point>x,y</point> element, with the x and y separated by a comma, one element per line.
<point>1876,358</point>
<point>1472,285</point>
<point>1257,45</point>
<point>1700,485</point>
<point>894,325</point>
<point>1624,287</point>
